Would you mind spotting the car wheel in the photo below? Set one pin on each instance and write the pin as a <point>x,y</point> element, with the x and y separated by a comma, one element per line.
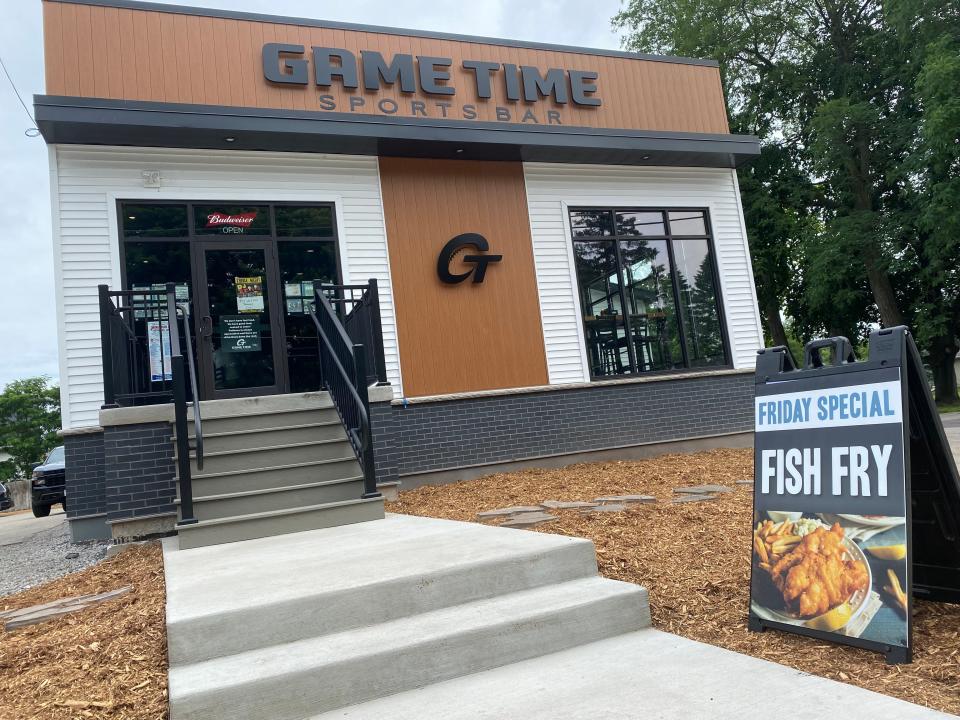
<point>41,510</point>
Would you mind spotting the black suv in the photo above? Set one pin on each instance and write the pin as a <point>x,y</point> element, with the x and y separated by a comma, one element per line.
<point>47,484</point>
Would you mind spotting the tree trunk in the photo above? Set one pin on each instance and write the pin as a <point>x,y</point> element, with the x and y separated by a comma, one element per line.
<point>774,323</point>
<point>944,374</point>
<point>881,287</point>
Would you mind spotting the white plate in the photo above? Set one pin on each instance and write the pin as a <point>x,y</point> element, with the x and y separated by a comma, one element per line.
<point>885,521</point>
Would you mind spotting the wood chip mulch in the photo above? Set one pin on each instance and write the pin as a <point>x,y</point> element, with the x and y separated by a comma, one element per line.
<point>108,661</point>
<point>694,559</point>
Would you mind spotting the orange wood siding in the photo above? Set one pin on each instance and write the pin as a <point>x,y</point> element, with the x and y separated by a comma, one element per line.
<point>127,54</point>
<point>469,336</point>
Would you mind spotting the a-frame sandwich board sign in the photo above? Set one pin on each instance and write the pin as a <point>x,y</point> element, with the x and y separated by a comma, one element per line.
<point>856,494</point>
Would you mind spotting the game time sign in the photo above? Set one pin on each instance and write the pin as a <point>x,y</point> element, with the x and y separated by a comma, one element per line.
<point>833,542</point>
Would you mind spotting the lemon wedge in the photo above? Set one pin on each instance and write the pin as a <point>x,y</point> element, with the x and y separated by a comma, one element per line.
<point>888,552</point>
<point>832,620</point>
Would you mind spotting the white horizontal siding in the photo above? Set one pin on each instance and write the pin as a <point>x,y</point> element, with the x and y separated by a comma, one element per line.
<point>86,182</point>
<point>551,188</point>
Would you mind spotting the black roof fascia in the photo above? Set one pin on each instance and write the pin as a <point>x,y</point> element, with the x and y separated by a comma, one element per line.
<point>361,27</point>
<point>65,120</point>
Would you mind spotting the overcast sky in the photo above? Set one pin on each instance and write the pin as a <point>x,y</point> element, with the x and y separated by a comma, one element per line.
<point>28,333</point>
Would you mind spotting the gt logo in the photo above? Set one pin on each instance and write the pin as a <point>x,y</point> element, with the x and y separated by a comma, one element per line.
<point>454,247</point>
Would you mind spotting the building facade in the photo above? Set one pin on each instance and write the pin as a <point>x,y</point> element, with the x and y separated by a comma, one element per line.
<point>556,236</point>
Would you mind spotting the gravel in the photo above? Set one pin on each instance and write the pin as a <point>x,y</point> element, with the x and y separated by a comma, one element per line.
<point>44,557</point>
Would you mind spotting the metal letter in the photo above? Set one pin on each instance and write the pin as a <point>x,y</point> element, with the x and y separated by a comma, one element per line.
<point>580,86</point>
<point>482,71</point>
<point>429,75</point>
<point>375,67</point>
<point>325,71</point>
<point>294,70</point>
<point>553,83</point>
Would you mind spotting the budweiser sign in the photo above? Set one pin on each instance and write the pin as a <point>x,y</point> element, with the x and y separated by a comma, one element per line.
<point>239,220</point>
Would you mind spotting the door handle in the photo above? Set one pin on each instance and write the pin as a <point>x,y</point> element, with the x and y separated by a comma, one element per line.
<point>206,327</point>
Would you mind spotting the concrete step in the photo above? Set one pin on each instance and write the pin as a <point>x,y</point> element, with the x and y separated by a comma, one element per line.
<point>213,507</point>
<point>350,577</point>
<point>269,437</point>
<point>267,419</point>
<point>644,674</point>
<point>278,522</point>
<point>294,680</point>
<point>276,476</point>
<point>263,457</point>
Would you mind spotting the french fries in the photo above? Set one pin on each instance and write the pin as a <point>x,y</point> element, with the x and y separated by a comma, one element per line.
<point>771,541</point>
<point>895,589</point>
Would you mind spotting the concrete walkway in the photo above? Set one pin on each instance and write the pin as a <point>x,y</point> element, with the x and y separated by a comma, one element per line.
<point>646,674</point>
<point>412,618</point>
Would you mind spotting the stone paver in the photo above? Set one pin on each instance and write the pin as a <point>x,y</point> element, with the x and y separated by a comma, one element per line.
<point>626,499</point>
<point>744,482</point>
<point>509,511</point>
<point>692,498</point>
<point>528,519</point>
<point>567,504</point>
<point>605,508</point>
<point>701,489</point>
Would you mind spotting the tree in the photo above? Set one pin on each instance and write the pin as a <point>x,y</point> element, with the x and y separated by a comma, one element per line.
<point>30,412</point>
<point>853,208</point>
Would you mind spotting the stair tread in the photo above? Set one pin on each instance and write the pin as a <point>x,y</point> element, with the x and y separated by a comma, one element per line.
<point>347,559</point>
<point>267,468</point>
<point>282,446</point>
<point>313,654</point>
<point>269,490</point>
<point>273,513</point>
<point>254,431</point>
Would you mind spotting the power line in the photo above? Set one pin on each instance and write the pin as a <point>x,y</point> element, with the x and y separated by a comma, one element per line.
<point>29,132</point>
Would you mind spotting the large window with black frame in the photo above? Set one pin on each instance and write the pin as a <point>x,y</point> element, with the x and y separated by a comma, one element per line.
<point>648,290</point>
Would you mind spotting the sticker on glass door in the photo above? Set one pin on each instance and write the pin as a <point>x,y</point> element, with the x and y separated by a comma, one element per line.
<point>249,294</point>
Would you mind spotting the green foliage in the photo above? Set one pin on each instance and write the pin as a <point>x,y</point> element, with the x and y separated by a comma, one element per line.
<point>853,208</point>
<point>29,421</point>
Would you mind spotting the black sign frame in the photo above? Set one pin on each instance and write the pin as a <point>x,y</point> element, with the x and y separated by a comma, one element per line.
<point>931,481</point>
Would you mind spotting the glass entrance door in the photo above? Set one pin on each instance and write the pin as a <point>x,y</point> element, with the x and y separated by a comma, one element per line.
<point>238,319</point>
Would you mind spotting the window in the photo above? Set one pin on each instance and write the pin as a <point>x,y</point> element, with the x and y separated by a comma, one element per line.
<point>304,221</point>
<point>150,221</point>
<point>647,287</point>
<point>301,263</point>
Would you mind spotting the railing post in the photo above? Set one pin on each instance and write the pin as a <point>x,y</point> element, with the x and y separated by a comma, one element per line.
<point>106,347</point>
<point>178,371</point>
<point>376,330</point>
<point>360,382</point>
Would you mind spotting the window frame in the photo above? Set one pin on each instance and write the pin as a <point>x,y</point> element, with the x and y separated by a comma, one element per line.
<point>192,237</point>
<point>615,238</point>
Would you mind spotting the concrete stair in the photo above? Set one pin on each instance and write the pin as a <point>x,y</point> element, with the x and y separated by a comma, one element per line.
<point>273,465</point>
<point>296,625</point>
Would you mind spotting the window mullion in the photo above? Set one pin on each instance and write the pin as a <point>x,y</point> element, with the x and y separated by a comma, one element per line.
<point>678,308</point>
<point>627,329</point>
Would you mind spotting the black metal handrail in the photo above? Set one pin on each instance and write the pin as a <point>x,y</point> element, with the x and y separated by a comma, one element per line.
<point>358,307</point>
<point>343,367</point>
<point>140,342</point>
<point>179,372</point>
<point>183,311</point>
<point>135,347</point>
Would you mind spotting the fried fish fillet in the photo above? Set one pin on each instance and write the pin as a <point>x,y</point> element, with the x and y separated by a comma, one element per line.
<point>815,577</point>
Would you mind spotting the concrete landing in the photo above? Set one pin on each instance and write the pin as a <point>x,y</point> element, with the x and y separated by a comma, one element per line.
<point>644,674</point>
<point>284,627</point>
